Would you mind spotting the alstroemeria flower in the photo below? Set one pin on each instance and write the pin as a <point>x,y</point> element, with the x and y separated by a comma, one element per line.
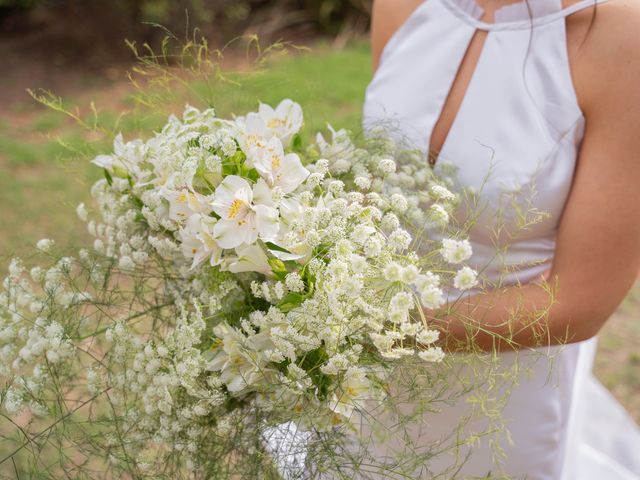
<point>242,221</point>
<point>250,258</point>
<point>126,157</point>
<point>198,242</point>
<point>277,168</point>
<point>252,132</point>
<point>239,359</point>
<point>284,121</point>
<point>354,391</point>
<point>184,203</point>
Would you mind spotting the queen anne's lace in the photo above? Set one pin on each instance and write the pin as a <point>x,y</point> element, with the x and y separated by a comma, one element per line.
<point>293,280</point>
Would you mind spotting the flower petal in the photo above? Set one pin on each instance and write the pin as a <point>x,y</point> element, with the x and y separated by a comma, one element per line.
<point>227,234</point>
<point>266,220</point>
<point>262,194</point>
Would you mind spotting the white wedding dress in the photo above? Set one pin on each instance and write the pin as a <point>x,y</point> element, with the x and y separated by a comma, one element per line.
<point>517,131</point>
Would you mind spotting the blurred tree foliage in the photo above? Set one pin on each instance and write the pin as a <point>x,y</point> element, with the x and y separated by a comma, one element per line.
<point>266,17</point>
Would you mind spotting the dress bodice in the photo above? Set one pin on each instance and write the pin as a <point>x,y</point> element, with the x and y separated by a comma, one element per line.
<point>515,140</point>
<point>516,135</point>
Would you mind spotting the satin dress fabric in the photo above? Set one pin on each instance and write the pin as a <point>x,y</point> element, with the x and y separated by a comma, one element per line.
<point>515,138</point>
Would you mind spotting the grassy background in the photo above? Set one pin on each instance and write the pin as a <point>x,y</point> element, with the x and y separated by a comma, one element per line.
<point>44,156</point>
<point>45,170</point>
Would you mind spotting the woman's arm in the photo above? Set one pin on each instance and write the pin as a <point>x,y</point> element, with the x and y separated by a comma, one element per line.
<point>598,244</point>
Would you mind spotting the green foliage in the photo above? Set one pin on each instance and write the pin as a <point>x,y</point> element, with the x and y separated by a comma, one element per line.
<point>42,179</point>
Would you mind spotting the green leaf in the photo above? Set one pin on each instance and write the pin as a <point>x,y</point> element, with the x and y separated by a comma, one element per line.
<point>277,248</point>
<point>311,363</point>
<point>277,266</point>
<point>137,202</point>
<point>296,143</point>
<point>107,175</point>
<point>290,301</point>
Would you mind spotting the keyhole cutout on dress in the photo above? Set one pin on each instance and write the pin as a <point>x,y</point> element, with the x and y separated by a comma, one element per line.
<point>456,95</point>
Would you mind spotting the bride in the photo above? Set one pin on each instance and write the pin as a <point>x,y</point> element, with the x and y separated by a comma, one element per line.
<point>543,94</point>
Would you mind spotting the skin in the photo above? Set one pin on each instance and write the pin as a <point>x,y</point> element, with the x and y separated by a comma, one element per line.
<point>598,244</point>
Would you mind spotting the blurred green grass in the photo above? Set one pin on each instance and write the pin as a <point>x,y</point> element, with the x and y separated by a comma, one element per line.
<point>45,170</point>
<point>44,156</point>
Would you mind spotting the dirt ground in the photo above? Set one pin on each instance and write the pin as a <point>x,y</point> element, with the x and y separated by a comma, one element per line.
<point>64,49</point>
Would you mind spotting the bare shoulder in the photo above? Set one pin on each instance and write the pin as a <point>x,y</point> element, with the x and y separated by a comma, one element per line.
<point>388,16</point>
<point>607,65</point>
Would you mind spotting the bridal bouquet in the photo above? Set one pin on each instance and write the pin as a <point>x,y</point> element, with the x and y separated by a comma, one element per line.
<point>238,280</point>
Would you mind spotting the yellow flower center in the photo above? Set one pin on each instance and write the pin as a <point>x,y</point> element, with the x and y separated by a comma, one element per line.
<point>237,360</point>
<point>235,208</point>
<point>254,140</point>
<point>336,419</point>
<point>276,122</point>
<point>275,162</point>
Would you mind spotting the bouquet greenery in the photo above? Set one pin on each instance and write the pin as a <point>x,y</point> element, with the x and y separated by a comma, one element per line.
<point>239,281</point>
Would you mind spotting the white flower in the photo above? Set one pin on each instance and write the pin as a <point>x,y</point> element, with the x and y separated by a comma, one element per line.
<point>229,147</point>
<point>427,337</point>
<point>278,290</point>
<point>314,180</point>
<point>184,203</point>
<point>361,234</point>
<point>207,141</point>
<point>294,282</point>
<point>45,244</point>
<point>402,352</point>
<point>401,301</point>
<point>81,211</point>
<point>353,390</point>
<point>198,242</point>
<point>372,247</point>
<point>409,274</point>
<point>238,359</point>
<point>400,239</point>
<point>456,251</point>
<point>250,258</point>
<point>427,280</point>
<point>387,166</point>
<point>126,263</point>
<point>438,192</point>
<point>392,272</point>
<point>241,221</point>
<point>399,202</point>
<point>383,343</point>
<point>278,169</point>
<point>112,162</point>
<point>432,297</point>
<point>358,264</point>
<point>465,279</point>
<point>336,187</point>
<point>438,214</point>
<point>124,154</point>
<point>253,132</point>
<point>363,183</point>
<point>284,121</point>
<point>390,222</point>
<point>433,354</point>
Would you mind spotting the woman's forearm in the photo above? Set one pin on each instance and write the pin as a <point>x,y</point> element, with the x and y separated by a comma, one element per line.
<point>511,318</point>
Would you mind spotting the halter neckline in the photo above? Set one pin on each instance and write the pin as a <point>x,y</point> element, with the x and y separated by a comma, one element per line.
<point>515,16</point>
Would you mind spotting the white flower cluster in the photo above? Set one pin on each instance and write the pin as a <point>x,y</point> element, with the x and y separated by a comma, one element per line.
<point>305,267</point>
